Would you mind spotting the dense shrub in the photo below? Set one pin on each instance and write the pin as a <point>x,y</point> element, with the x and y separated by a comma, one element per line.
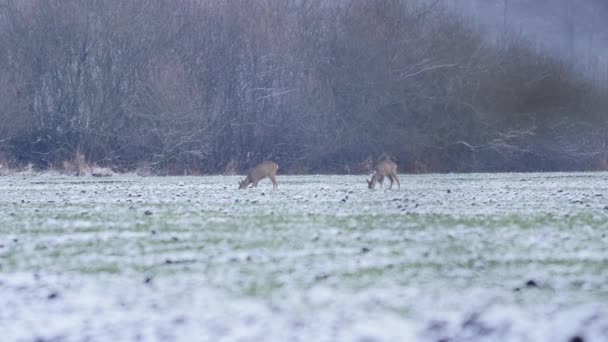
<point>207,86</point>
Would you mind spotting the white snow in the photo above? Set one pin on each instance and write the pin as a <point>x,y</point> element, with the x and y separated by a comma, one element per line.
<point>500,257</point>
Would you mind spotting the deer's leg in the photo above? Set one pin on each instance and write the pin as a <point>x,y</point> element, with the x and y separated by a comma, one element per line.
<point>390,177</point>
<point>273,179</point>
<point>397,179</point>
<point>381,181</point>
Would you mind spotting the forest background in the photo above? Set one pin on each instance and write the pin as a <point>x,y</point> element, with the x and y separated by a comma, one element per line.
<point>196,87</point>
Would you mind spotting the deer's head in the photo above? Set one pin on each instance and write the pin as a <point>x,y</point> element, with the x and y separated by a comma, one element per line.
<point>243,184</point>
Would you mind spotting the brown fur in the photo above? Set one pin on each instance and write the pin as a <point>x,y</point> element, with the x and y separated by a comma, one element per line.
<point>386,168</point>
<point>261,171</point>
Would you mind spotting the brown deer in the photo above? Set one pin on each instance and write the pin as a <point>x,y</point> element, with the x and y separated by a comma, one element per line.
<point>386,168</point>
<point>261,171</point>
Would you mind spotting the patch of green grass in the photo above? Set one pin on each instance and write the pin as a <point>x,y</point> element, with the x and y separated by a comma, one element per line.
<point>302,236</point>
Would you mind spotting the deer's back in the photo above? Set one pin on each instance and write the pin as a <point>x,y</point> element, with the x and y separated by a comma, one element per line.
<point>387,167</point>
<point>264,169</point>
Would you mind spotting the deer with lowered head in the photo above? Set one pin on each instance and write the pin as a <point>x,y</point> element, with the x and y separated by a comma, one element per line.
<point>261,171</point>
<point>386,168</point>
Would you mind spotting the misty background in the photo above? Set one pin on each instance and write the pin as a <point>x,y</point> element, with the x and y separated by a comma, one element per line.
<point>194,86</point>
<point>574,30</point>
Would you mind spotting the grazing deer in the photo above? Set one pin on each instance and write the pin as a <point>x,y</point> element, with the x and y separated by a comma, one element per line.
<point>385,168</point>
<point>261,171</point>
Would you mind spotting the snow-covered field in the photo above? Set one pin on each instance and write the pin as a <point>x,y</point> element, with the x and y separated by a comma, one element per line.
<point>496,257</point>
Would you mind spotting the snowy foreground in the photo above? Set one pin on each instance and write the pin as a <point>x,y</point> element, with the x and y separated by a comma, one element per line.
<point>498,257</point>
